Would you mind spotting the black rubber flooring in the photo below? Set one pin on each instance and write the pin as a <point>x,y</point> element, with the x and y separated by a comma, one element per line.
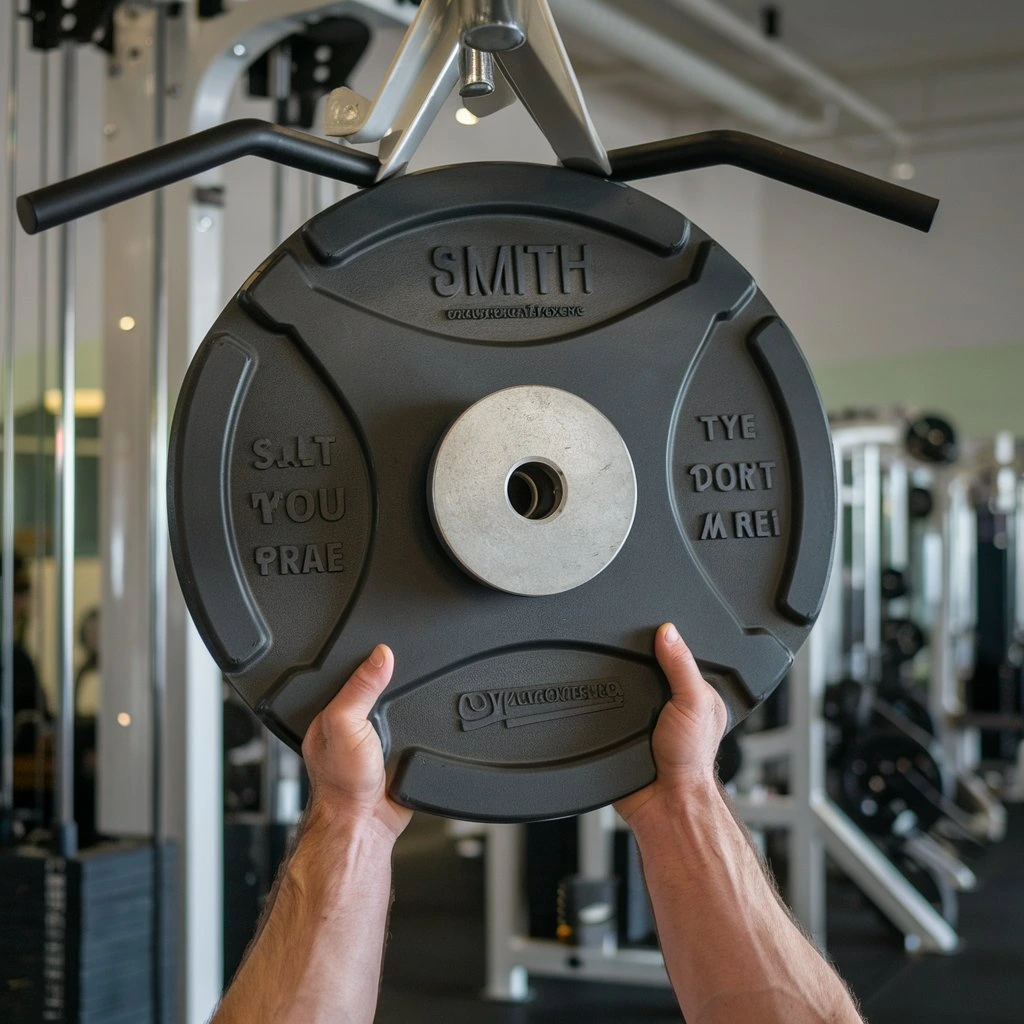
<point>434,969</point>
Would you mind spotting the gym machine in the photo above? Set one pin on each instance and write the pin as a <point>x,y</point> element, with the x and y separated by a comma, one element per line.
<point>877,735</point>
<point>581,455</point>
<point>885,570</point>
<point>977,666</point>
<point>888,758</point>
<point>59,958</point>
<point>194,67</point>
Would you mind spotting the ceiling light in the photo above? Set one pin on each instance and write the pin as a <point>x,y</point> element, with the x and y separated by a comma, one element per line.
<point>466,117</point>
<point>126,323</point>
<point>903,170</point>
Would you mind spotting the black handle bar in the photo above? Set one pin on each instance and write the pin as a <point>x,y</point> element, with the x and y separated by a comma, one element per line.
<point>125,179</point>
<point>769,159</point>
<point>95,190</point>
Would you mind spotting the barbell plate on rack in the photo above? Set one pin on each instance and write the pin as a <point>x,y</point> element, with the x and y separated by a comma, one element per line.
<point>309,483</point>
<point>890,782</point>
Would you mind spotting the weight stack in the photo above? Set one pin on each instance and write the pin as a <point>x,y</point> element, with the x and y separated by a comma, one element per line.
<point>552,855</point>
<point>76,935</point>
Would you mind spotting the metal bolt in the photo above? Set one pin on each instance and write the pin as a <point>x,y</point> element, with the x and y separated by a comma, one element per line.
<point>239,50</point>
<point>110,129</point>
<point>477,70</point>
<point>205,223</point>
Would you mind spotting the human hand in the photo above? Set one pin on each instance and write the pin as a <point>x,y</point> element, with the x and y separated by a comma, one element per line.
<point>689,730</point>
<point>344,757</point>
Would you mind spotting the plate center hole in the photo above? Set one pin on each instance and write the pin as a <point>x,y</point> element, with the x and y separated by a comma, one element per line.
<point>535,490</point>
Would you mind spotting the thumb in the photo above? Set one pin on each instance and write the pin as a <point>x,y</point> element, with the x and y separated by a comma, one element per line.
<point>356,698</point>
<point>678,663</point>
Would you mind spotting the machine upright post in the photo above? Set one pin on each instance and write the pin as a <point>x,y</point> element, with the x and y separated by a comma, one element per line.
<point>7,539</point>
<point>158,523</point>
<point>64,467</point>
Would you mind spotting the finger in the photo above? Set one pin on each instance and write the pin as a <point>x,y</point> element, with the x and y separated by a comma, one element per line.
<point>678,663</point>
<point>356,698</point>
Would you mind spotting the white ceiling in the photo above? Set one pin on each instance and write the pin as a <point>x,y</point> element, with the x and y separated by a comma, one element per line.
<point>950,71</point>
<point>853,37</point>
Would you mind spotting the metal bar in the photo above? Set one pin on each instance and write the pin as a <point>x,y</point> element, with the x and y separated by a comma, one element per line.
<point>1018,526</point>
<point>898,519</point>
<point>780,163</point>
<point>595,830</point>
<point>438,76</point>
<point>64,481</point>
<point>158,524</point>
<point>39,456</point>
<point>806,871</point>
<point>769,811</point>
<point>282,64</point>
<point>7,541</point>
<point>542,77</point>
<point>767,745</point>
<point>929,853</point>
<point>175,161</point>
<point>858,667</point>
<point>924,928</point>
<point>353,116</point>
<point>506,977</point>
<point>872,497</point>
<point>623,966</point>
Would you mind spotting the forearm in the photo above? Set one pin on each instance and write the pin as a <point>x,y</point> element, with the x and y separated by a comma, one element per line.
<point>732,951</point>
<point>318,954</point>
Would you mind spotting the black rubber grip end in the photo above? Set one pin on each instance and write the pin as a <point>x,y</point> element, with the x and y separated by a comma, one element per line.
<point>27,214</point>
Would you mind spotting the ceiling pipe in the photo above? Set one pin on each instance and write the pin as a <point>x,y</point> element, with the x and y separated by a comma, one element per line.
<point>744,34</point>
<point>617,31</point>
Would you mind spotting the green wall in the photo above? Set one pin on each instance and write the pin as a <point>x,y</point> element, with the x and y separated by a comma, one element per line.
<point>979,388</point>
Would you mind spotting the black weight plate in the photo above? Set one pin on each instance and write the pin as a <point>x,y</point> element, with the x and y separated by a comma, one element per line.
<point>301,451</point>
<point>894,584</point>
<point>886,775</point>
<point>902,640</point>
<point>932,439</point>
<point>920,503</point>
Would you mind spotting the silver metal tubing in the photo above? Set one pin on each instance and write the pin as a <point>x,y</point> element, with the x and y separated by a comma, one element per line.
<point>494,25</point>
<point>477,70</point>
<point>596,835</point>
<point>42,373</point>
<point>158,522</point>
<point>7,540</point>
<point>872,494</point>
<point>64,481</point>
<point>507,979</point>
<point>282,67</point>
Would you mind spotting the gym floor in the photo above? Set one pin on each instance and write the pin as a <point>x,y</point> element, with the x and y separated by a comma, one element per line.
<point>434,969</point>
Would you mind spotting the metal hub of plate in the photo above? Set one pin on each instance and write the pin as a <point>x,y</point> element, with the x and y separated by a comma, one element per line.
<point>333,415</point>
<point>532,490</point>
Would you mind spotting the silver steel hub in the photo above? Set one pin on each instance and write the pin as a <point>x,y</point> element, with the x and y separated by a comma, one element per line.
<point>532,491</point>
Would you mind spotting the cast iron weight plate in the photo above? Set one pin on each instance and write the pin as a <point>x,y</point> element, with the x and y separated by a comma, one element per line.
<point>302,480</point>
